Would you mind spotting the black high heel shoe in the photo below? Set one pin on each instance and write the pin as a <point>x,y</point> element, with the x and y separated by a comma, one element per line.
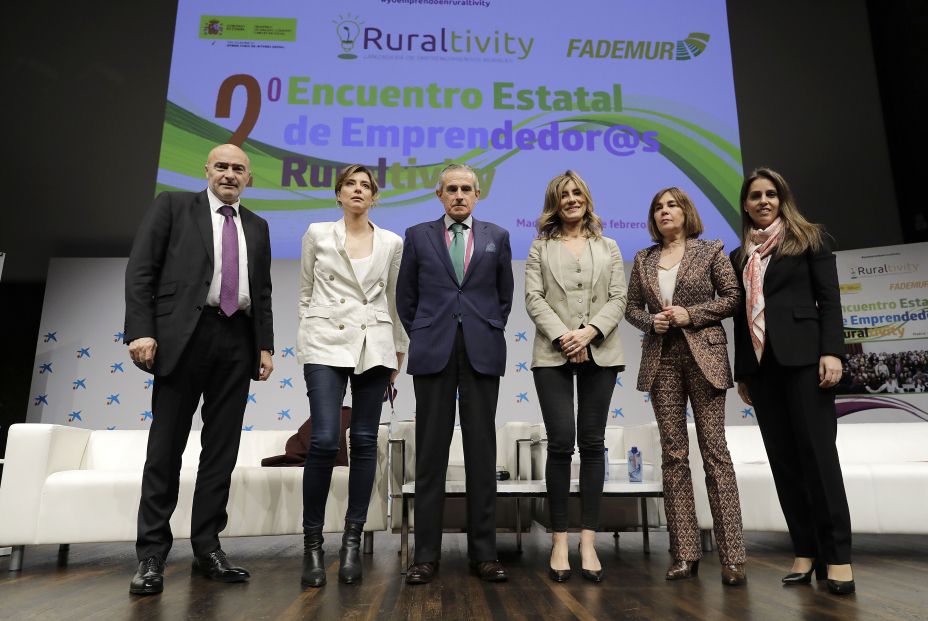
<point>589,574</point>
<point>558,575</point>
<point>840,587</point>
<point>805,578</point>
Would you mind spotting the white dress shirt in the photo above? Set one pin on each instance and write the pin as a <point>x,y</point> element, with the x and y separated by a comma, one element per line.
<point>468,223</point>
<point>244,295</point>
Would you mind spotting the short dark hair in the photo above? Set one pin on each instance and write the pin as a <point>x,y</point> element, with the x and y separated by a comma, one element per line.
<point>692,223</point>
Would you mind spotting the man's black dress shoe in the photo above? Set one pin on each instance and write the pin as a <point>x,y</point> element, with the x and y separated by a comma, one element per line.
<point>421,573</point>
<point>490,571</point>
<point>216,566</point>
<point>149,579</point>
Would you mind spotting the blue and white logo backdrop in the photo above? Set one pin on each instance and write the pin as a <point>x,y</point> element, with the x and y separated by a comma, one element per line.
<point>83,376</point>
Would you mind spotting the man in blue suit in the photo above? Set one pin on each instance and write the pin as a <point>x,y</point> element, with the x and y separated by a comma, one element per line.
<point>453,296</point>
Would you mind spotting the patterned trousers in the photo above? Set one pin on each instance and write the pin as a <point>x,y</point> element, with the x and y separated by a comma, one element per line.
<point>679,377</point>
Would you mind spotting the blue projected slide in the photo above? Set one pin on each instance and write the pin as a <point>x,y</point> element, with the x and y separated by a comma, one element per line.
<point>634,96</point>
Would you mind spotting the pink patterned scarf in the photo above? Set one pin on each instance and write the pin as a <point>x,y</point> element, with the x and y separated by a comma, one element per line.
<point>763,243</point>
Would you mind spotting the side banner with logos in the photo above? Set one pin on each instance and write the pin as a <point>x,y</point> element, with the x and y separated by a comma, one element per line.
<point>884,300</point>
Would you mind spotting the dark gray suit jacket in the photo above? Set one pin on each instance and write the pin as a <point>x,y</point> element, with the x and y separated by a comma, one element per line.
<point>169,273</point>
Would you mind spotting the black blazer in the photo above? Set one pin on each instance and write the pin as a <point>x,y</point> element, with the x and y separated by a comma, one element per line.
<point>169,273</point>
<point>803,310</point>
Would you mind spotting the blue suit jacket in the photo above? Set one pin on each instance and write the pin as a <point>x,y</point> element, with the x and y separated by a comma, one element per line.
<point>430,302</point>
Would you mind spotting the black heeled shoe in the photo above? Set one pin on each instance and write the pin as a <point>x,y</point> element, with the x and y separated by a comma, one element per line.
<point>558,575</point>
<point>805,578</point>
<point>313,562</point>
<point>840,587</point>
<point>589,574</point>
<point>349,555</point>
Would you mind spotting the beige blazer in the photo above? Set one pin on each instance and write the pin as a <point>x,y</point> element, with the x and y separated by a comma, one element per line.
<point>343,322</point>
<point>546,302</point>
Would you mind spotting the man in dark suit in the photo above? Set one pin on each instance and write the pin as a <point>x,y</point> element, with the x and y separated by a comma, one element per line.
<point>453,296</point>
<point>198,316</point>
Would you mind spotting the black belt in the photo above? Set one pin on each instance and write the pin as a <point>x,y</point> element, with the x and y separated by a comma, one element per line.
<point>215,311</point>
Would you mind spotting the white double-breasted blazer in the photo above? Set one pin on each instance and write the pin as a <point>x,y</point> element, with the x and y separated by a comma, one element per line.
<point>344,322</point>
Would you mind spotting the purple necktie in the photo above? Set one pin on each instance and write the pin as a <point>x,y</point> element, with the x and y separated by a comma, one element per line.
<point>228,283</point>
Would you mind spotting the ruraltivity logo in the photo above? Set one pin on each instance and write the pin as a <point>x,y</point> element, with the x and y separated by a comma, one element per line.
<point>352,33</point>
<point>348,29</point>
<point>682,49</point>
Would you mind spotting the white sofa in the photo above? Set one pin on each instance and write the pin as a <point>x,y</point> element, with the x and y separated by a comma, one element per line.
<point>64,485</point>
<point>885,468</point>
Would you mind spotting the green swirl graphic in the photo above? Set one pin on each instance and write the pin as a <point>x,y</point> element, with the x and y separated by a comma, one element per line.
<point>709,160</point>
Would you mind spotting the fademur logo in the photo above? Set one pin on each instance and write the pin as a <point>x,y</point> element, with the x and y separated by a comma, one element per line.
<point>352,33</point>
<point>684,49</point>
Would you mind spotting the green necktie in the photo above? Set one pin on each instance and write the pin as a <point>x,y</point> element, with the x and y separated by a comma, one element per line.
<point>457,249</point>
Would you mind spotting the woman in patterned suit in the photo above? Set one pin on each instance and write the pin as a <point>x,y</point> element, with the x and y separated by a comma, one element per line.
<point>575,295</point>
<point>680,290</point>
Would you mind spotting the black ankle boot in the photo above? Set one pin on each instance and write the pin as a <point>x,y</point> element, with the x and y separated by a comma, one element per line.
<point>349,555</point>
<point>313,564</point>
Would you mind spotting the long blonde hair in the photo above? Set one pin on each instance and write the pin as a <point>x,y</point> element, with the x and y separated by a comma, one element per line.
<point>798,234</point>
<point>549,223</point>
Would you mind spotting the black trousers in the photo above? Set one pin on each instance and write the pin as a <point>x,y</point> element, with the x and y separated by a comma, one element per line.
<point>216,365</point>
<point>435,410</point>
<point>799,425</point>
<point>555,388</point>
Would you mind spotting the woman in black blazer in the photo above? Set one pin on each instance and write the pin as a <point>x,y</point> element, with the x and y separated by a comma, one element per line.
<point>788,347</point>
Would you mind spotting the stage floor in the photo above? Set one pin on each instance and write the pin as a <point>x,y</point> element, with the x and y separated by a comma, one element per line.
<point>891,573</point>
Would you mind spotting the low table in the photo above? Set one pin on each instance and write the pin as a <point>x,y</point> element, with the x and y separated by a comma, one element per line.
<point>534,489</point>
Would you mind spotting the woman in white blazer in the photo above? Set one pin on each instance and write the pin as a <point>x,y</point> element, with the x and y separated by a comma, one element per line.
<point>349,332</point>
<point>575,295</point>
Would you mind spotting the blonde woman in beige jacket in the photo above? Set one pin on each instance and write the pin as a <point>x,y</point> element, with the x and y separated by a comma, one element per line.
<point>575,295</point>
<point>349,332</point>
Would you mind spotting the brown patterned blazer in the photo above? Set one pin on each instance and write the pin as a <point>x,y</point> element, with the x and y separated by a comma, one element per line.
<point>704,271</point>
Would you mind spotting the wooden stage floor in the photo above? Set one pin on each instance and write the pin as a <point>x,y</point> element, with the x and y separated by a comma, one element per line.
<point>891,573</point>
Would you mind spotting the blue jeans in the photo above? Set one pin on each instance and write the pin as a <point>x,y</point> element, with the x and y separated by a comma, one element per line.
<point>325,387</point>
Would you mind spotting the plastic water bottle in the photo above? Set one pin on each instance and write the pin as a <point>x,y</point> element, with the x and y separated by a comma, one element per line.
<point>606,460</point>
<point>634,465</point>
